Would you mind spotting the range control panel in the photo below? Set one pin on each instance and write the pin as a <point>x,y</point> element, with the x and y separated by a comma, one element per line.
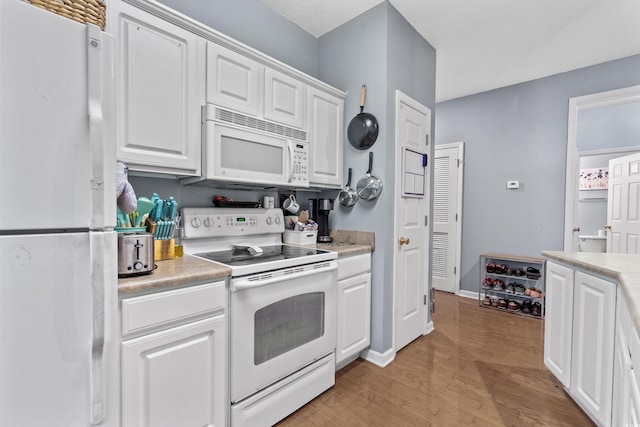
<point>202,223</point>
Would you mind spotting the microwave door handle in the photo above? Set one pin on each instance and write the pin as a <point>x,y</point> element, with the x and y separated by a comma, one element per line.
<point>290,161</point>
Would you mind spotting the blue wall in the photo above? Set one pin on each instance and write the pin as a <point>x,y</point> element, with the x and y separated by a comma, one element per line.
<point>519,132</point>
<point>380,49</point>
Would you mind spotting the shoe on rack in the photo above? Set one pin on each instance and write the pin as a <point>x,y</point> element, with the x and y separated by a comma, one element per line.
<point>498,285</point>
<point>513,306</point>
<point>503,302</point>
<point>491,267</point>
<point>536,309</point>
<point>487,300</point>
<point>526,306</point>
<point>487,283</point>
<point>518,289</point>
<point>510,288</point>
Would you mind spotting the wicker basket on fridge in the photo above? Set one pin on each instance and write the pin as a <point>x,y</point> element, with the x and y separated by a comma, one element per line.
<point>83,11</point>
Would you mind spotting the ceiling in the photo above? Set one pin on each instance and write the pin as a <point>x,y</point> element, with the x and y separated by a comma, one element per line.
<point>483,45</point>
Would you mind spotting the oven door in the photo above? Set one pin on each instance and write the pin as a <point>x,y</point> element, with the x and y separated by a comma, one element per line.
<point>281,321</point>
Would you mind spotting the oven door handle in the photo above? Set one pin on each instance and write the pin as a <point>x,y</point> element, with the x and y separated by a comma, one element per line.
<point>249,283</point>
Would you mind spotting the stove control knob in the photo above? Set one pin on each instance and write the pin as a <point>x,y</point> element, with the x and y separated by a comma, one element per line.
<point>137,265</point>
<point>207,222</point>
<point>278,220</point>
<point>195,222</point>
<point>269,220</point>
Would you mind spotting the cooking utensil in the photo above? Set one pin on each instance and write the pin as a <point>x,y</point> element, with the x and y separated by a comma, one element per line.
<point>348,197</point>
<point>369,187</point>
<point>363,128</point>
<point>144,207</point>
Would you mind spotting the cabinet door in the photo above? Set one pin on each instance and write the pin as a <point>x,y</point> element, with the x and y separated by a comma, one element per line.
<point>233,80</point>
<point>284,99</point>
<point>593,342</point>
<point>325,138</point>
<point>631,416</point>
<point>177,377</point>
<point>160,88</point>
<point>558,322</point>
<point>354,316</point>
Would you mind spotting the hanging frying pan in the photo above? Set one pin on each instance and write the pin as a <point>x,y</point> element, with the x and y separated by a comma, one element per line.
<point>363,128</point>
<point>348,197</point>
<point>369,187</point>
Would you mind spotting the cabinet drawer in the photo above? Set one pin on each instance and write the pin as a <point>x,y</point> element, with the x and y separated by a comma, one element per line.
<point>171,307</point>
<point>351,266</point>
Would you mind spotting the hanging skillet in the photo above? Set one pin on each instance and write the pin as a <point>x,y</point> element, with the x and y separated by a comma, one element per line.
<point>348,196</point>
<point>363,128</point>
<point>369,187</point>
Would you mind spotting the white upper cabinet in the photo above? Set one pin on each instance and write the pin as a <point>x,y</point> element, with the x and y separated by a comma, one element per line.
<point>233,80</point>
<point>325,126</point>
<point>284,99</point>
<point>160,88</point>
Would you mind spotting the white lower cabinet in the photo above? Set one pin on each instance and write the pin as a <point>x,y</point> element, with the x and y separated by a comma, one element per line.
<point>626,395</point>
<point>579,337</point>
<point>354,308</point>
<point>176,376</point>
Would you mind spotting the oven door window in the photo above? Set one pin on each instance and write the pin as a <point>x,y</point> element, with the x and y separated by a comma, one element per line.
<point>287,324</point>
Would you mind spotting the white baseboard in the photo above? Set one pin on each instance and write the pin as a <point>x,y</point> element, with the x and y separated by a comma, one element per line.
<point>379,359</point>
<point>468,294</point>
<point>430,328</point>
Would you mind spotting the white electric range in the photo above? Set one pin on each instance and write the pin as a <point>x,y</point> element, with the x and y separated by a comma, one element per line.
<point>282,308</point>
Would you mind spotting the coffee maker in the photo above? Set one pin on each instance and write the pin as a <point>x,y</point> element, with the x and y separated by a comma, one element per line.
<point>319,210</point>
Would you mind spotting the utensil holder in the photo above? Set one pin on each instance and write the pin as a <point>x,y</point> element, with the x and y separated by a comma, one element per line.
<point>163,249</point>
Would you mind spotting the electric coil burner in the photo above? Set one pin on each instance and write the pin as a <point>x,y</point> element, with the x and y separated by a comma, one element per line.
<point>282,310</point>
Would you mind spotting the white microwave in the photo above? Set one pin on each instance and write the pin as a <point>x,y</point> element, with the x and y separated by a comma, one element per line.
<point>244,149</point>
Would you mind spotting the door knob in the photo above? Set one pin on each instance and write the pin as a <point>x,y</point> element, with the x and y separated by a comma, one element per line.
<point>608,227</point>
<point>404,241</point>
<point>576,229</point>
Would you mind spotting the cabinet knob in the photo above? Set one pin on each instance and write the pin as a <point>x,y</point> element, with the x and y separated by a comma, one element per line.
<point>404,241</point>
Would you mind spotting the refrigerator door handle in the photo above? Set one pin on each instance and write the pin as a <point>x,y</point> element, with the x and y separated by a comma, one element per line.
<point>98,284</point>
<point>96,141</point>
<point>95,97</point>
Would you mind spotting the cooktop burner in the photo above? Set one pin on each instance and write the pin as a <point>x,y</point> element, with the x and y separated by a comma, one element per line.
<point>239,257</point>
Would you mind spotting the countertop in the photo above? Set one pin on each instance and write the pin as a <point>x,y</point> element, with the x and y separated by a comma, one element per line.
<point>189,269</point>
<point>173,273</point>
<point>623,268</point>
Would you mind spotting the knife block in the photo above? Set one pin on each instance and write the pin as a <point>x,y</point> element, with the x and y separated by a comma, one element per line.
<point>163,249</point>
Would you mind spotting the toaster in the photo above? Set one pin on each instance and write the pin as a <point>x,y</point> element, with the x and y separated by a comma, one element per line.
<point>135,254</point>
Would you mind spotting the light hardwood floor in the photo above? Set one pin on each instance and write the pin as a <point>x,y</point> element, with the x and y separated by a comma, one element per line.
<point>479,367</point>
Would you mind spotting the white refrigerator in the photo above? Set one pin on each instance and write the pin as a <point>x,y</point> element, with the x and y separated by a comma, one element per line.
<point>58,251</point>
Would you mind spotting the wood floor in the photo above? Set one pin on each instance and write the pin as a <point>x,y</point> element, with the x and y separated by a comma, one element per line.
<point>479,367</point>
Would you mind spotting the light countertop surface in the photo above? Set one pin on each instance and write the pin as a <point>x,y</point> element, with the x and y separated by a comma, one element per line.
<point>188,270</point>
<point>623,268</point>
<point>172,273</point>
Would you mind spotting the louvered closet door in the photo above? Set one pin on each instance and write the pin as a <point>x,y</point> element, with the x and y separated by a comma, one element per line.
<point>444,218</point>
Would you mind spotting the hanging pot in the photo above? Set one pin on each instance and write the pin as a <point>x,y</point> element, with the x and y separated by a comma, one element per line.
<point>369,187</point>
<point>348,197</point>
<point>363,128</point>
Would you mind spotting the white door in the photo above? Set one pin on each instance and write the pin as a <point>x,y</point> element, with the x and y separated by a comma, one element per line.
<point>159,370</point>
<point>592,347</point>
<point>623,206</point>
<point>447,216</point>
<point>325,124</point>
<point>411,256</point>
<point>160,89</point>
<point>558,322</point>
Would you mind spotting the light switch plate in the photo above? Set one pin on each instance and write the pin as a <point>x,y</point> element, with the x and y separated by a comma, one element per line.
<point>513,184</point>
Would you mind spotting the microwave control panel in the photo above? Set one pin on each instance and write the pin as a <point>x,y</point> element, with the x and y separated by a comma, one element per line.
<point>300,166</point>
